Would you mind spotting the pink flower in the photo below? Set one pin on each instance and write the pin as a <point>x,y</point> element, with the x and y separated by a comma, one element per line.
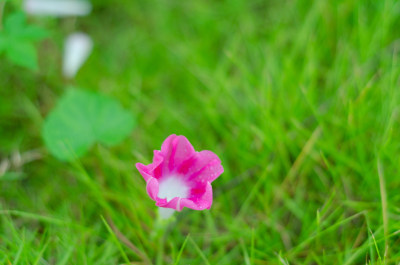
<point>181,177</point>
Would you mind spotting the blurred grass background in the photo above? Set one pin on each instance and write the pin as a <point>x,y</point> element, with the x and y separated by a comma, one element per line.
<point>300,99</point>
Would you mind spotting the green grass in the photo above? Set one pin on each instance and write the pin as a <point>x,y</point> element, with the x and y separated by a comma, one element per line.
<point>300,99</point>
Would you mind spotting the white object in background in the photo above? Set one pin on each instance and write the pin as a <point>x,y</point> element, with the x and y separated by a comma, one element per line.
<point>58,8</point>
<point>77,49</point>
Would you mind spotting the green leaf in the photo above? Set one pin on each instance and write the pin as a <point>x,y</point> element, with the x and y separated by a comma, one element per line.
<point>30,33</point>
<point>112,128</point>
<point>23,54</point>
<point>82,118</point>
<point>15,22</point>
<point>17,38</point>
<point>15,26</point>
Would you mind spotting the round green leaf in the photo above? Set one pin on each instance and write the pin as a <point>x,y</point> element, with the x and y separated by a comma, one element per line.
<point>82,118</point>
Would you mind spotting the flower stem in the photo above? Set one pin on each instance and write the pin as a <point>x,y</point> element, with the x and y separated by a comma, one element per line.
<point>165,213</point>
<point>161,227</point>
<point>160,252</point>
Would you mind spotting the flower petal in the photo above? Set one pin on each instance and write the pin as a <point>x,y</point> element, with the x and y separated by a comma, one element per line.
<point>149,171</point>
<point>185,173</point>
<point>152,188</point>
<point>203,166</point>
<point>201,203</point>
<point>77,49</point>
<point>176,150</point>
<point>60,8</point>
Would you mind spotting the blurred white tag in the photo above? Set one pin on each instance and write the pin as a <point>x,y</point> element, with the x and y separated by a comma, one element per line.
<point>77,49</point>
<point>58,8</point>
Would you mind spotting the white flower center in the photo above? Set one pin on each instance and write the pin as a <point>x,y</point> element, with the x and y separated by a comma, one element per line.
<point>172,187</point>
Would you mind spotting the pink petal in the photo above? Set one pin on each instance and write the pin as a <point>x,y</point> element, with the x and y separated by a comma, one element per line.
<point>148,171</point>
<point>181,175</point>
<point>202,202</point>
<point>175,149</point>
<point>152,188</point>
<point>202,167</point>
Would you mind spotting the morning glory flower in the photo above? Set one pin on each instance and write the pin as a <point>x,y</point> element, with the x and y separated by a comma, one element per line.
<point>181,177</point>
